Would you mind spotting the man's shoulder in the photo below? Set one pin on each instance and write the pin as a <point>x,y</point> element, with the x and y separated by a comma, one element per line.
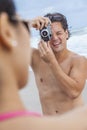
<point>77,58</point>
<point>35,51</point>
<point>35,57</point>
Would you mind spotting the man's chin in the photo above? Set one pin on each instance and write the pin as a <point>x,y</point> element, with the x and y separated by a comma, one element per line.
<point>56,50</point>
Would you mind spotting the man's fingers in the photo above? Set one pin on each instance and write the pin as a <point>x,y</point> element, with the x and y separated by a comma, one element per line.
<point>40,22</point>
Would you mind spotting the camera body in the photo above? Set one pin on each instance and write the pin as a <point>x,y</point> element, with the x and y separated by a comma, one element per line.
<point>46,33</point>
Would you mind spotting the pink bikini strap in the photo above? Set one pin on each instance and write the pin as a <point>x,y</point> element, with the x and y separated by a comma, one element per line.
<point>9,115</point>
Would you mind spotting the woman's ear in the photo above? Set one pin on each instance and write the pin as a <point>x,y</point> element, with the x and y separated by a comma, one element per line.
<point>7,33</point>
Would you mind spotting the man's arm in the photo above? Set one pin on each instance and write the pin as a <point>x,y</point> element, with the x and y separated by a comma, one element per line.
<point>37,23</point>
<point>71,84</point>
<point>35,58</point>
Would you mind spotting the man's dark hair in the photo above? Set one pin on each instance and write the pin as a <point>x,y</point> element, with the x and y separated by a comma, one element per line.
<point>8,7</point>
<point>57,17</point>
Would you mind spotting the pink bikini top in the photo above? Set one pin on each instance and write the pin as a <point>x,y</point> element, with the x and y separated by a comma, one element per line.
<point>9,115</point>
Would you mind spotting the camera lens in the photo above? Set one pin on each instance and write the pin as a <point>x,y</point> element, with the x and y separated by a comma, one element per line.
<point>44,33</point>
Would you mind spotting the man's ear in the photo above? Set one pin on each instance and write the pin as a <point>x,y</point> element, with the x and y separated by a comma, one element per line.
<point>7,33</point>
<point>67,34</point>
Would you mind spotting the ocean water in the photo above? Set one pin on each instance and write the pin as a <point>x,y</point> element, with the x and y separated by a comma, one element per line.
<point>78,44</point>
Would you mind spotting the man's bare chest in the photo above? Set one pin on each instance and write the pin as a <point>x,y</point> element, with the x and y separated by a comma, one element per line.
<point>45,78</point>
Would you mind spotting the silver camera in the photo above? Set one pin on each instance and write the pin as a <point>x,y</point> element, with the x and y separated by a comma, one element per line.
<point>46,33</point>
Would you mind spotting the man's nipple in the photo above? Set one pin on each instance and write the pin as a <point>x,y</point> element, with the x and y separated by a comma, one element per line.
<point>41,80</point>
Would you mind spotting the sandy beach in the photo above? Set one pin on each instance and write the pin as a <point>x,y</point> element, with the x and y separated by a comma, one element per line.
<point>30,97</point>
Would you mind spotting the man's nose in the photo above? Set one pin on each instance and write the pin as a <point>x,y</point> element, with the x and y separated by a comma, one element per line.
<point>54,37</point>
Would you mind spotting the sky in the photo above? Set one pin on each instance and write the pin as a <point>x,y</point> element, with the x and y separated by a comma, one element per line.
<point>74,10</point>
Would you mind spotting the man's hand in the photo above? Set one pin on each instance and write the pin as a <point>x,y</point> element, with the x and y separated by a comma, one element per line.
<point>46,52</point>
<point>40,22</point>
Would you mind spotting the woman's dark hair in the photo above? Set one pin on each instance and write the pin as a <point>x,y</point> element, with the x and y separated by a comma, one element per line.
<point>8,7</point>
<point>57,17</point>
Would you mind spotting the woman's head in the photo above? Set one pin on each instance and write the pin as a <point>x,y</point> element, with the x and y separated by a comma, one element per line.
<point>8,7</point>
<point>14,41</point>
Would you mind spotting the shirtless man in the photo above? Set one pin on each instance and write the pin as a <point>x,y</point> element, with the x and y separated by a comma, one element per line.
<point>59,73</point>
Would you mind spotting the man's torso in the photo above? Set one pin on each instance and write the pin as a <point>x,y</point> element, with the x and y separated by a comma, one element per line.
<point>53,99</point>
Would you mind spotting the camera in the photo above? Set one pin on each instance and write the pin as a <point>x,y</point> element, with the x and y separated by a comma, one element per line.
<point>46,33</point>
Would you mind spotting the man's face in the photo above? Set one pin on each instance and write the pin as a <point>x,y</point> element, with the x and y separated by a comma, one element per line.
<point>59,37</point>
